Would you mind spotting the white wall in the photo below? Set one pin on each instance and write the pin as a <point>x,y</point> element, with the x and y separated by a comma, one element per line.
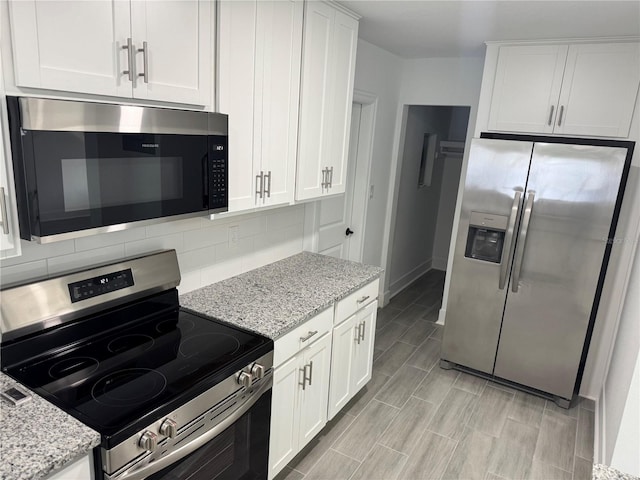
<point>430,81</point>
<point>446,210</point>
<point>619,403</point>
<point>417,207</point>
<point>204,253</point>
<point>378,73</point>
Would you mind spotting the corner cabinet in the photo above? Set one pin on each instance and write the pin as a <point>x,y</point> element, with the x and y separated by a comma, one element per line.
<point>140,49</point>
<point>566,89</point>
<point>328,70</point>
<point>260,44</point>
<point>302,360</point>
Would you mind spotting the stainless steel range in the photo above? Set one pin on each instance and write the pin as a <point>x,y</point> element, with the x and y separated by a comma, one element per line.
<point>174,394</point>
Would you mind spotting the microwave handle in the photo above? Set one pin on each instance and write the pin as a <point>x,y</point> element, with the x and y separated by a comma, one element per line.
<point>205,178</point>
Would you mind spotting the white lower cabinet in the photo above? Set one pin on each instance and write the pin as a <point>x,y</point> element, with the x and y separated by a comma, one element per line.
<point>80,469</point>
<point>352,354</point>
<point>300,392</point>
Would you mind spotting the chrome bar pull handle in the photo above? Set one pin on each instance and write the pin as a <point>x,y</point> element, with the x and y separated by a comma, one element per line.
<point>303,370</point>
<point>4,219</point>
<point>522,240</point>
<point>507,249</point>
<point>268,184</point>
<point>310,378</point>
<point>130,68</point>
<point>363,299</point>
<point>363,326</point>
<point>324,183</point>
<point>560,115</point>
<point>260,181</point>
<point>308,336</point>
<point>357,334</point>
<point>553,107</point>
<point>145,61</point>
<point>330,177</point>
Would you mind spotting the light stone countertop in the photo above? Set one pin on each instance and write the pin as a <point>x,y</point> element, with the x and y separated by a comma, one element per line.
<point>37,438</point>
<point>273,299</point>
<point>603,472</point>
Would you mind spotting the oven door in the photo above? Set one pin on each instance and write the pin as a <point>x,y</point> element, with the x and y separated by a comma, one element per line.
<point>235,449</point>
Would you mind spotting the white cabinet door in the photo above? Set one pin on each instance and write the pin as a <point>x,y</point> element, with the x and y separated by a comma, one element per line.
<point>71,45</point>
<point>315,107</point>
<point>345,337</point>
<point>80,469</point>
<point>599,89</point>
<point>363,353</point>
<point>176,65</point>
<point>283,442</point>
<point>236,97</point>
<point>351,357</point>
<point>259,84</point>
<point>328,70</point>
<point>278,58</point>
<point>315,394</point>
<point>343,68</point>
<point>526,88</point>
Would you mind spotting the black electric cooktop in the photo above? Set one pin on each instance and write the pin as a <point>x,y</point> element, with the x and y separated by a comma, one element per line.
<point>119,378</point>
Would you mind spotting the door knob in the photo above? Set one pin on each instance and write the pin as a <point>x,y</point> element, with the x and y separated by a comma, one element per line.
<point>348,232</point>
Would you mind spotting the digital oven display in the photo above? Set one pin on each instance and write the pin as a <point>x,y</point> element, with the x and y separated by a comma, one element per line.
<point>95,286</point>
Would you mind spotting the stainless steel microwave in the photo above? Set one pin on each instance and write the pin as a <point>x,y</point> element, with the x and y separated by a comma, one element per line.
<point>82,168</point>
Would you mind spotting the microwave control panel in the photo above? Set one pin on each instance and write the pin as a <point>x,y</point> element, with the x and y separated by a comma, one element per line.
<point>218,197</point>
<point>93,287</point>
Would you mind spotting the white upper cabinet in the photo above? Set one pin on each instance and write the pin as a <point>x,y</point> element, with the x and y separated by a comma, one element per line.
<point>260,44</point>
<point>138,49</point>
<point>577,89</point>
<point>328,70</point>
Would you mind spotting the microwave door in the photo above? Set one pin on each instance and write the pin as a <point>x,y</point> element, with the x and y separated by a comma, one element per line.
<point>492,198</point>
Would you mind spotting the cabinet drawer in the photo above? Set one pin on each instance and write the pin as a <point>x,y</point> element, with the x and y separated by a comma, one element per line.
<point>355,301</point>
<point>302,336</point>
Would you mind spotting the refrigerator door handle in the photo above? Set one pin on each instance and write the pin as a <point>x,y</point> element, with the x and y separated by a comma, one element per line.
<point>507,252</point>
<point>522,239</point>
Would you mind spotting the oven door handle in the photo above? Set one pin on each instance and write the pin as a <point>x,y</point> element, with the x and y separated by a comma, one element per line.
<point>140,473</point>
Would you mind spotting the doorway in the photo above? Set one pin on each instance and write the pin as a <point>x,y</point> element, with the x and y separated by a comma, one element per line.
<point>429,168</point>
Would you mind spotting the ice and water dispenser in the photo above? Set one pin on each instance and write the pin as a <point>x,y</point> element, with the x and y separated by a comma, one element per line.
<point>486,237</point>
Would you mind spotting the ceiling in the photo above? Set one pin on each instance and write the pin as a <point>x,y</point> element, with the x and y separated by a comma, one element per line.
<point>452,28</point>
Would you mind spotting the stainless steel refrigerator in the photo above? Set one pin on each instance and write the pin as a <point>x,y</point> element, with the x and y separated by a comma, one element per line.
<point>530,256</point>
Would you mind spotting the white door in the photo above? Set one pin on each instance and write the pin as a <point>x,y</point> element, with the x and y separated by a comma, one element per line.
<point>315,395</point>
<point>344,342</point>
<point>526,88</point>
<point>71,45</point>
<point>599,89</point>
<point>336,213</point>
<point>278,57</point>
<point>285,414</point>
<point>177,63</point>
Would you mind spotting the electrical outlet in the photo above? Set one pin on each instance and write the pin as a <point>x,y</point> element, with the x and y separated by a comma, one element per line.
<point>233,236</point>
<point>370,192</point>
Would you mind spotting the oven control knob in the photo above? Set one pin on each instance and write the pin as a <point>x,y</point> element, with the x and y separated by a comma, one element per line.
<point>257,371</point>
<point>148,441</point>
<point>244,379</point>
<point>169,428</point>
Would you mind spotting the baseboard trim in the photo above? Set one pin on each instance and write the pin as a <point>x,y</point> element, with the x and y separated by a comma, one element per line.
<point>441,314</point>
<point>599,440</point>
<point>439,263</point>
<point>408,278</point>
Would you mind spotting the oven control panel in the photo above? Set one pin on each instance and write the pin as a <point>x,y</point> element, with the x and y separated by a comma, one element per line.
<point>93,287</point>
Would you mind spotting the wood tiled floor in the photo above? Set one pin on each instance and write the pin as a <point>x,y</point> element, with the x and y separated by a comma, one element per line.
<point>416,421</point>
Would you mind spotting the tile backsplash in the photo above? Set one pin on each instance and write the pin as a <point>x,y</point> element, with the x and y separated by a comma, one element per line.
<point>206,250</point>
